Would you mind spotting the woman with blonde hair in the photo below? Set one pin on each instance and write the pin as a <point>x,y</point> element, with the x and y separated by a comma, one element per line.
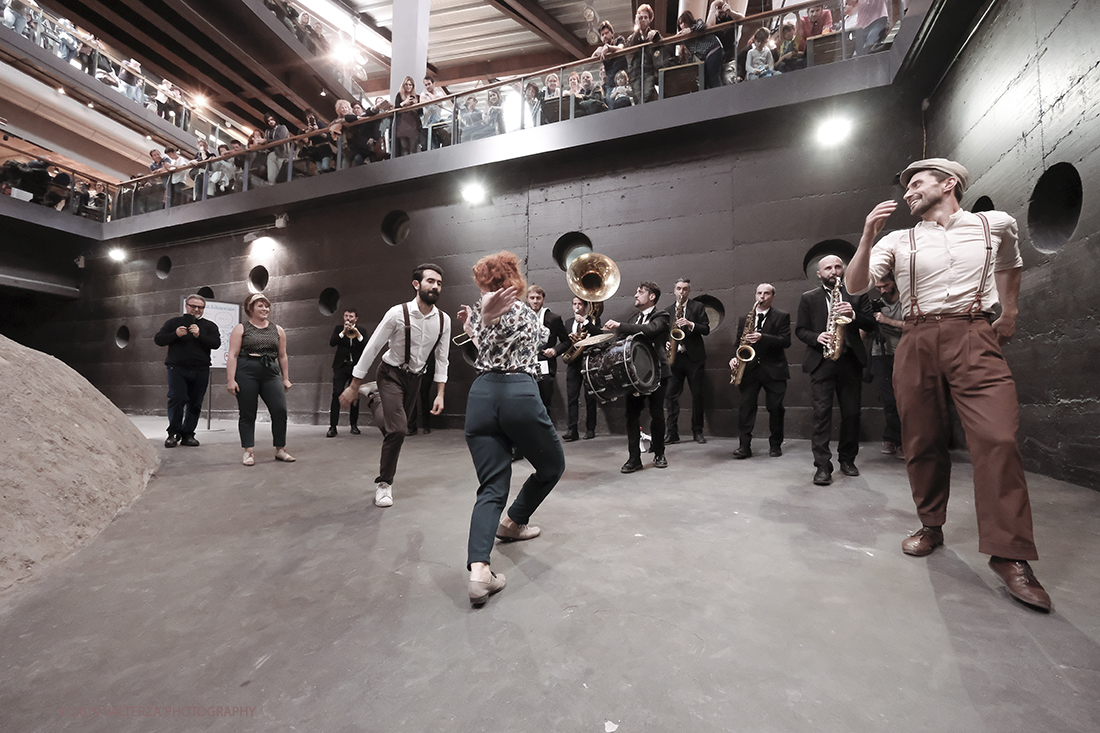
<point>407,131</point>
<point>503,410</point>
<point>258,367</point>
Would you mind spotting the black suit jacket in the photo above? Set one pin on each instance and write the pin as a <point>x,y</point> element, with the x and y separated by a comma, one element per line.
<point>345,347</point>
<point>589,329</point>
<point>813,312</point>
<point>559,339</point>
<point>656,332</point>
<point>771,349</point>
<point>694,349</point>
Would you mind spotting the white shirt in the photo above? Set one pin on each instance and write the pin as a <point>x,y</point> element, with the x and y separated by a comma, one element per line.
<point>424,330</point>
<point>948,262</point>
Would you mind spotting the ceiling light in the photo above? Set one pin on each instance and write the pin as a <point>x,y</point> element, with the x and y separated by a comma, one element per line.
<point>834,131</point>
<point>148,137</point>
<point>91,106</point>
<point>323,93</point>
<point>60,90</point>
<point>199,100</point>
<point>473,193</point>
<point>117,254</point>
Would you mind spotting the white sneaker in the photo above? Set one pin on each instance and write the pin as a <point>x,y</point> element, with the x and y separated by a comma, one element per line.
<point>383,494</point>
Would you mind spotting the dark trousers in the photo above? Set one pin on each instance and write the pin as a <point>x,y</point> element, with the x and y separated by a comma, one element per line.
<point>258,380</point>
<point>341,378</point>
<point>186,388</point>
<point>502,411</point>
<point>421,415</point>
<point>574,387</point>
<point>397,392</point>
<point>962,358</point>
<point>774,390</point>
<point>691,373</point>
<point>883,369</point>
<point>546,391</point>
<point>844,378</point>
<point>634,405</point>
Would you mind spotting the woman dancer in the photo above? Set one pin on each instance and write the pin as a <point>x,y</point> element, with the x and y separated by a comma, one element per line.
<point>258,367</point>
<point>504,409</point>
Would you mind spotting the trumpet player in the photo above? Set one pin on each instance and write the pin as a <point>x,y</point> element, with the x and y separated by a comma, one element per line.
<point>349,343</point>
<point>842,376</point>
<point>770,337</point>
<point>689,358</point>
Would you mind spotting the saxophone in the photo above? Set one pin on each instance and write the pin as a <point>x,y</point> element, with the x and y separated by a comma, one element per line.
<point>676,334</point>
<point>745,353</point>
<point>835,323</point>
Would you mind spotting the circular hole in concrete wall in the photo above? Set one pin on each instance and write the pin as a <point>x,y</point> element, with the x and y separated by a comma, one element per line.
<point>206,291</point>
<point>839,247</point>
<point>1055,207</point>
<point>257,279</point>
<point>395,227</point>
<point>716,311</point>
<point>164,266</point>
<point>122,337</point>
<point>984,203</point>
<point>329,301</point>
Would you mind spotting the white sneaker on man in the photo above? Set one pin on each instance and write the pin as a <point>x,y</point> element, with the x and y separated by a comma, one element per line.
<point>383,494</point>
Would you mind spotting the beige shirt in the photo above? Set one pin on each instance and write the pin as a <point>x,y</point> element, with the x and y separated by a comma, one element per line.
<point>948,262</point>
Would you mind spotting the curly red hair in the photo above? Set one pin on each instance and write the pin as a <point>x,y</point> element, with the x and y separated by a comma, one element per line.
<point>501,270</point>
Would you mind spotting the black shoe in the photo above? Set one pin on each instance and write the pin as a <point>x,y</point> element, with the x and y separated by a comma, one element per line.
<point>823,477</point>
<point>700,439</point>
<point>775,452</point>
<point>411,432</point>
<point>590,435</point>
<point>355,430</point>
<point>672,439</point>
<point>631,466</point>
<point>742,452</point>
<point>660,462</point>
<point>171,441</point>
<point>190,441</point>
<point>331,433</point>
<point>570,437</point>
<point>848,468</point>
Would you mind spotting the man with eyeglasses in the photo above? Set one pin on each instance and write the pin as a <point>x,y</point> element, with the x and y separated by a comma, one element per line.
<point>190,338</point>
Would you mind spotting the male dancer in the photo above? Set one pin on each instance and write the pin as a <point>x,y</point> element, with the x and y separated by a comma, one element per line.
<point>951,269</point>
<point>411,331</point>
<point>574,376</point>
<point>770,338</point>
<point>652,325</point>
<point>190,338</point>
<point>349,344</point>
<point>688,364</point>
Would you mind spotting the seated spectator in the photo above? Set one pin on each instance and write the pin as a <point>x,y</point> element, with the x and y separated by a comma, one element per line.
<point>622,95</point>
<point>790,58</point>
<point>407,131</point>
<point>223,172</point>
<point>759,62</point>
<point>643,65</point>
<point>278,155</point>
<point>590,99</point>
<point>706,48</point>
<point>608,52</point>
<point>721,13</point>
<point>817,21</point>
<point>319,150</point>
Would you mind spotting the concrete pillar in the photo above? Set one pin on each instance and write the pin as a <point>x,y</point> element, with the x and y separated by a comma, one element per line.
<point>698,8</point>
<point>410,43</point>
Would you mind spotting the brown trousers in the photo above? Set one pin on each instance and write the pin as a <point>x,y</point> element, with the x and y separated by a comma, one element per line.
<point>397,392</point>
<point>954,355</point>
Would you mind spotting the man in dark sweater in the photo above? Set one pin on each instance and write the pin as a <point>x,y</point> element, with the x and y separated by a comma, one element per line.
<point>190,338</point>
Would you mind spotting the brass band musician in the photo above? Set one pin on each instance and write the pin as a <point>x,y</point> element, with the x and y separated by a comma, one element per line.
<point>688,362</point>
<point>770,337</point>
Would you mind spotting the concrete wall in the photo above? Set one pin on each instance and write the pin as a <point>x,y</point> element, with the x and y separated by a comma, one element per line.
<point>1020,100</point>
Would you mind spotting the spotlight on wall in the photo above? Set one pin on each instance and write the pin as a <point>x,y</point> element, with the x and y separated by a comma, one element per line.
<point>834,131</point>
<point>117,254</point>
<point>281,221</point>
<point>262,246</point>
<point>474,193</point>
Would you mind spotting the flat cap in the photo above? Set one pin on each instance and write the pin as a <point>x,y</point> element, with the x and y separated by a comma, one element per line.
<point>942,165</point>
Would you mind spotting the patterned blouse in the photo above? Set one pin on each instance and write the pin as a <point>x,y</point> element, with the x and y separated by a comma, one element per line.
<point>512,345</point>
<point>260,341</point>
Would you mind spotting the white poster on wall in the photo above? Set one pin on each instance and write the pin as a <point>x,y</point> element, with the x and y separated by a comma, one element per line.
<point>225,316</point>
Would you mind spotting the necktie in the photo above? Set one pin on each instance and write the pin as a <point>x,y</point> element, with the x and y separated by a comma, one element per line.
<point>759,320</point>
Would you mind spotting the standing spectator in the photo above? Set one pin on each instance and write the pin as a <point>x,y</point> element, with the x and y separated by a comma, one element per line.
<point>817,21</point>
<point>132,83</point>
<point>278,155</point>
<point>190,338</point>
<point>14,17</point>
<point>608,52</point>
<point>720,14</point>
<point>67,45</point>
<point>176,165</point>
<point>223,172</point>
<point>871,24</point>
<point>349,344</point>
<point>437,113</point>
<point>759,62</point>
<point>362,141</point>
<point>706,48</point>
<point>890,314</point>
<point>258,367</point>
<point>198,174</point>
<point>319,149</point>
<point>158,160</point>
<point>407,132</point>
<point>643,74</point>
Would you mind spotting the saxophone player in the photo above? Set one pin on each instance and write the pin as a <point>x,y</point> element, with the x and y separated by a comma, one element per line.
<point>770,337</point>
<point>687,360</point>
<point>842,376</point>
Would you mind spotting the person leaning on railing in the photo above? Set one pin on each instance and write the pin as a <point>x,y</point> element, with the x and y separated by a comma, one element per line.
<point>706,48</point>
<point>361,140</point>
<point>319,150</point>
<point>721,13</point>
<point>643,67</point>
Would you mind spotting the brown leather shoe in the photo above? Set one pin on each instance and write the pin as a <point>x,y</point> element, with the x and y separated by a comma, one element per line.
<point>1021,582</point>
<point>480,591</point>
<point>923,541</point>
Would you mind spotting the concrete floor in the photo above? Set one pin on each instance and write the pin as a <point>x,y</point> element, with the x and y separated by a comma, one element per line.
<point>717,595</point>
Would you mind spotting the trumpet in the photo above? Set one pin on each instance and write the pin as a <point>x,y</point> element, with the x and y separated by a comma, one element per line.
<point>745,353</point>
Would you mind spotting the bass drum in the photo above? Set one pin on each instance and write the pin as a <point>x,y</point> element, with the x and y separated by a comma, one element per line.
<point>629,365</point>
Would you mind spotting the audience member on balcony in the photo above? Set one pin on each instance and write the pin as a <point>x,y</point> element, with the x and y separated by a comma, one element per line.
<point>86,54</point>
<point>551,89</point>
<point>319,150</point>
<point>622,95</point>
<point>817,21</point>
<point>239,158</point>
<point>285,12</point>
<point>14,15</point>
<point>223,172</point>
<point>721,13</point>
<point>643,70</point>
<point>176,165</point>
<point>158,160</point>
<point>532,106</point>
<point>707,48</point>
<point>590,99</point>
<point>472,124</point>
<point>361,142</point>
<point>790,58</point>
<point>97,206</point>
<point>436,114</point>
<point>608,52</point>
<point>67,45</point>
<point>278,155</point>
<point>407,131</point>
<point>760,63</point>
<point>257,159</point>
<point>129,76</point>
<point>870,21</point>
<point>198,175</point>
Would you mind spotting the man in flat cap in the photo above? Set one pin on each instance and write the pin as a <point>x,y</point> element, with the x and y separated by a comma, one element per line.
<point>950,270</point>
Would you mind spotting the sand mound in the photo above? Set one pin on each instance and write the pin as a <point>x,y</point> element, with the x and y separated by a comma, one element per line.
<point>69,461</point>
